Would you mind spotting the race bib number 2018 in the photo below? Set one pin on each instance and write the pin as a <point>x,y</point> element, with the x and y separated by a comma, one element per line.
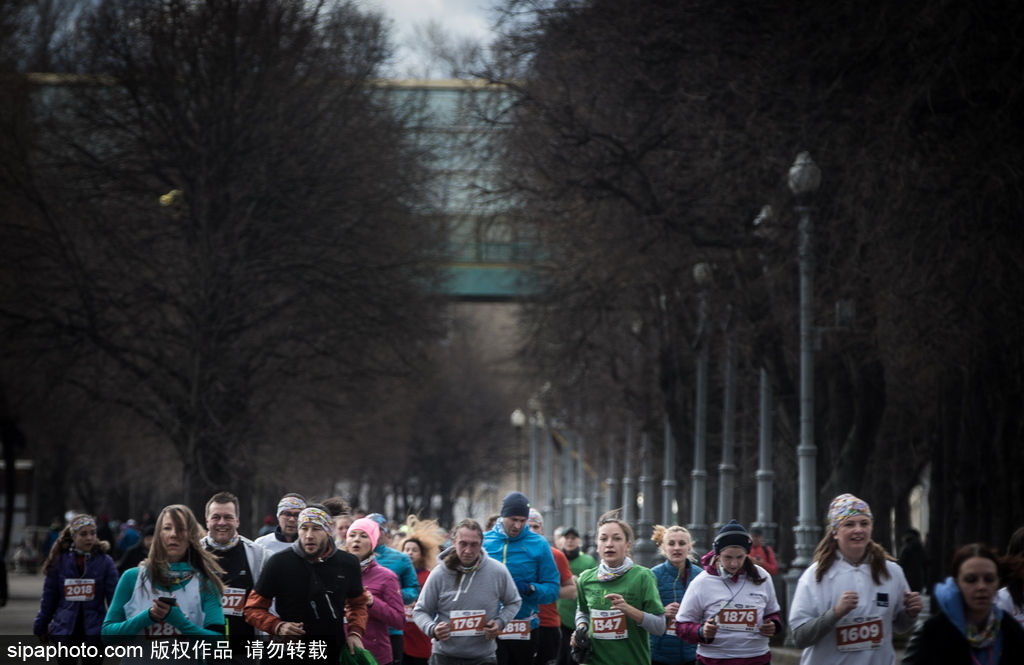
<point>79,590</point>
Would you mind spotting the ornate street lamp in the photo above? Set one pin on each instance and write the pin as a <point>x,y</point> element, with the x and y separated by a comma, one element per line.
<point>804,180</point>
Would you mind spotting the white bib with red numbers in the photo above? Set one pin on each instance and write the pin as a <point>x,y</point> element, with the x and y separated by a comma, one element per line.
<point>740,617</point>
<point>608,625</point>
<point>79,590</point>
<point>467,623</point>
<point>517,629</point>
<point>860,633</point>
<point>233,601</point>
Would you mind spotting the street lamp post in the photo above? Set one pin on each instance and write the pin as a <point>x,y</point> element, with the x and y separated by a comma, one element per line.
<point>645,549</point>
<point>804,179</point>
<point>668,484</point>
<point>518,420</point>
<point>699,475</point>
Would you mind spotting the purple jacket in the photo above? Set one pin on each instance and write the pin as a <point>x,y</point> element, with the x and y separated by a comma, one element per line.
<point>387,610</point>
<point>57,616</point>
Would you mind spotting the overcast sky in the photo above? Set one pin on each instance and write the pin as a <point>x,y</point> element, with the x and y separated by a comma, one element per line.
<point>461,18</point>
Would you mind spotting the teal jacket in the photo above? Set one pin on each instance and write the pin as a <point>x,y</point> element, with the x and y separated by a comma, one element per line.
<point>528,557</point>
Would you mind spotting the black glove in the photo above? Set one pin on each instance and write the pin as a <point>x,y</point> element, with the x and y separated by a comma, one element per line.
<point>581,652</point>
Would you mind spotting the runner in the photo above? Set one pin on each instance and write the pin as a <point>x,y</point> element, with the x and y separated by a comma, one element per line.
<point>176,591</point>
<point>528,558</point>
<point>618,631</point>
<point>80,579</point>
<point>386,609</point>
<point>467,601</point>
<point>421,544</point>
<point>400,564</point>
<point>302,581</point>
<point>674,576</point>
<point>967,626</point>
<point>853,597</point>
<point>241,559</point>
<point>287,531</point>
<point>730,610</point>
<point>549,632</point>
<point>579,561</point>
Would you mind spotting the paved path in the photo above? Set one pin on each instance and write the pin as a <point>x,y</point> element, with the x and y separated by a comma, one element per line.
<point>23,602</point>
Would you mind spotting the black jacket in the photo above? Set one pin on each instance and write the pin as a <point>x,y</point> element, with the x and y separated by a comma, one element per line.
<point>938,642</point>
<point>313,594</point>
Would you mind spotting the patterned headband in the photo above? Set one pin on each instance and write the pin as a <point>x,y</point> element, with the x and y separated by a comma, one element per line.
<point>290,503</point>
<point>317,517</point>
<point>80,522</point>
<point>846,505</point>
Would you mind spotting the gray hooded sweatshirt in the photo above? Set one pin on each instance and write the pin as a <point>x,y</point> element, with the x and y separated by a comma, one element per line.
<point>488,591</point>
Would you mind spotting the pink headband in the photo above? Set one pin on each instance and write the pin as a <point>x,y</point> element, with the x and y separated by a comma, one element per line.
<point>369,527</point>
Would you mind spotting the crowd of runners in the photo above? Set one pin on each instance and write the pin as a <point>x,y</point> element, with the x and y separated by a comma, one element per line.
<point>358,589</point>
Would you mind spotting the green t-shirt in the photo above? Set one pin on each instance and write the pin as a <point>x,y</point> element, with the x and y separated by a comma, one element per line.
<point>567,606</point>
<point>640,590</point>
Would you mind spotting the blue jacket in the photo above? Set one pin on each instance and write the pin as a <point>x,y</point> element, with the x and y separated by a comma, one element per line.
<point>668,648</point>
<point>58,616</point>
<point>528,557</point>
<point>400,564</point>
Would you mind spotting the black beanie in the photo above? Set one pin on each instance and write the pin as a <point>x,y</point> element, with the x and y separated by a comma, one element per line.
<point>515,504</point>
<point>732,535</point>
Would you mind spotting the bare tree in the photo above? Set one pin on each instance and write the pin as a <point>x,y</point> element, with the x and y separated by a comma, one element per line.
<point>649,136</point>
<point>224,225</point>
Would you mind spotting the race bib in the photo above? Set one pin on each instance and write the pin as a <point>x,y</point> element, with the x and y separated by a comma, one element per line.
<point>608,625</point>
<point>739,617</point>
<point>468,623</point>
<point>79,590</point>
<point>860,633</point>
<point>232,601</point>
<point>161,629</point>
<point>517,629</point>
<point>408,613</point>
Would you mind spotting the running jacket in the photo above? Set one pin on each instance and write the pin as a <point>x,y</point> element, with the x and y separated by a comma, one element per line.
<point>672,585</point>
<point>529,560</point>
<point>58,615</point>
<point>942,638</point>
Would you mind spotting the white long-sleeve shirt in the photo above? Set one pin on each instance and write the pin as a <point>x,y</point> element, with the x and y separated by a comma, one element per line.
<point>741,608</point>
<point>879,613</point>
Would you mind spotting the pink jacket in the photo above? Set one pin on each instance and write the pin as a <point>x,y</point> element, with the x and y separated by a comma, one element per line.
<point>386,612</point>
